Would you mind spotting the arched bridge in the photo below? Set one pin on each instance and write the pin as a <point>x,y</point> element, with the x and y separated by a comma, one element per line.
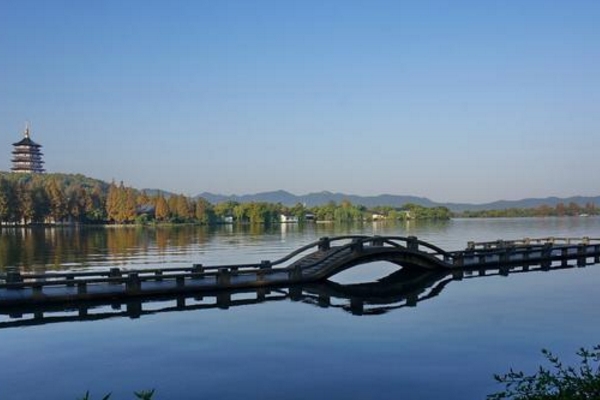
<point>314,262</point>
<point>329,256</point>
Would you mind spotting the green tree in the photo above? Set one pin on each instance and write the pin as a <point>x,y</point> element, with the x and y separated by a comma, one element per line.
<point>8,201</point>
<point>204,212</point>
<point>58,200</point>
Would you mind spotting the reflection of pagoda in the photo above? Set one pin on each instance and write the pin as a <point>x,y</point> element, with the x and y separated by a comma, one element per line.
<point>27,156</point>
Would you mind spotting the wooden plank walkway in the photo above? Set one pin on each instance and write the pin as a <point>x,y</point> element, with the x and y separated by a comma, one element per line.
<point>312,263</point>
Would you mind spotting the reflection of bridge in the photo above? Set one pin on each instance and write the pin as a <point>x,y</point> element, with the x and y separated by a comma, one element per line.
<point>404,288</point>
<point>315,262</point>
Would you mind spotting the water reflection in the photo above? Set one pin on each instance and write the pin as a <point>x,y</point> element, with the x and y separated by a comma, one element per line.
<point>61,248</point>
<point>404,288</point>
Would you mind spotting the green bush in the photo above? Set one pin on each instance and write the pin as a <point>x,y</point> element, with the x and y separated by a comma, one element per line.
<point>559,382</point>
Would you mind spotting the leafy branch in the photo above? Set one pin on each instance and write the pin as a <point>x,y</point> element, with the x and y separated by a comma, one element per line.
<point>559,382</point>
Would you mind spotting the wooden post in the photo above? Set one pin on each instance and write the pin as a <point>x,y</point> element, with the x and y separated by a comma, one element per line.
<point>70,280</point>
<point>180,281</point>
<point>13,275</point>
<point>357,246</point>
<point>81,288</point>
<point>198,271</point>
<point>36,290</point>
<point>223,277</point>
<point>158,275</point>
<point>114,273</point>
<point>581,254</point>
<point>133,282</point>
<point>564,254</point>
<point>412,243</point>
<point>377,241</point>
<point>324,243</point>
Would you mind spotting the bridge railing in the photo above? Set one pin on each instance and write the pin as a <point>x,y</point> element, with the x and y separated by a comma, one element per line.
<point>358,242</point>
<point>530,242</point>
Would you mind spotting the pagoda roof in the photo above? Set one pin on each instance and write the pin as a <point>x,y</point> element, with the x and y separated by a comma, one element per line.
<point>26,141</point>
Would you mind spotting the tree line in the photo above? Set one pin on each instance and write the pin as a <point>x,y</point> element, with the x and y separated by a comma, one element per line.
<point>56,198</point>
<point>560,210</point>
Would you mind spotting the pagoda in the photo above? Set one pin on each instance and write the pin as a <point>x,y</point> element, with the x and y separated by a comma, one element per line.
<point>27,157</point>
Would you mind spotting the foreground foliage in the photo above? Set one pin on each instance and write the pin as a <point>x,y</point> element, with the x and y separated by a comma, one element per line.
<point>559,382</point>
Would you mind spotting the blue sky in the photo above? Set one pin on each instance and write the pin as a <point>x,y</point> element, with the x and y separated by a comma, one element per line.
<point>453,100</point>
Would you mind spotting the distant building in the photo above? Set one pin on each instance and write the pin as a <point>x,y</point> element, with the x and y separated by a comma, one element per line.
<point>287,219</point>
<point>27,157</point>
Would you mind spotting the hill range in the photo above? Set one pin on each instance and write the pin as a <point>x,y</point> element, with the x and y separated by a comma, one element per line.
<point>320,198</point>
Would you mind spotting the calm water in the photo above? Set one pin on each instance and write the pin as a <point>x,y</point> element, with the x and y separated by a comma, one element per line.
<point>295,346</point>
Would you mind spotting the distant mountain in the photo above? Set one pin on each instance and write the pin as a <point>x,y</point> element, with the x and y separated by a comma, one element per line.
<point>320,198</point>
<point>524,203</point>
<point>315,199</point>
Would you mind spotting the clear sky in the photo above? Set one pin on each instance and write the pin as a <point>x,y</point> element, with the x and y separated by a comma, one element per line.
<point>468,101</point>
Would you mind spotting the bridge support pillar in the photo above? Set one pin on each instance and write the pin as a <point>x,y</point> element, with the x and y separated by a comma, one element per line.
<point>357,306</point>
<point>224,300</point>
<point>223,277</point>
<point>261,294</point>
<point>295,293</point>
<point>581,254</point>
<point>134,309</point>
<point>412,300</point>
<point>134,284</point>
<point>324,301</point>
<point>295,275</point>
<point>458,275</point>
<point>181,302</point>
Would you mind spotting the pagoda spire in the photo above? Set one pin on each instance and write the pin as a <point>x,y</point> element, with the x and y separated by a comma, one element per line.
<point>26,132</point>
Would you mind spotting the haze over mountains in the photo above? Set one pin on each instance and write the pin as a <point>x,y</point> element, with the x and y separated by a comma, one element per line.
<point>319,198</point>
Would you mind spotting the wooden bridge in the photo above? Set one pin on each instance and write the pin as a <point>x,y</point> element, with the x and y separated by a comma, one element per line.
<point>314,262</point>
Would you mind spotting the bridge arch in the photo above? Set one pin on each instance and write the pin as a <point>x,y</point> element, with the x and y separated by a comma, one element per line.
<point>329,259</point>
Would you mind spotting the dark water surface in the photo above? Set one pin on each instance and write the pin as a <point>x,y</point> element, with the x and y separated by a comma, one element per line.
<point>298,347</point>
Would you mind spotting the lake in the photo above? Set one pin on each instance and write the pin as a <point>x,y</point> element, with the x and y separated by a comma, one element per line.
<point>444,339</point>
